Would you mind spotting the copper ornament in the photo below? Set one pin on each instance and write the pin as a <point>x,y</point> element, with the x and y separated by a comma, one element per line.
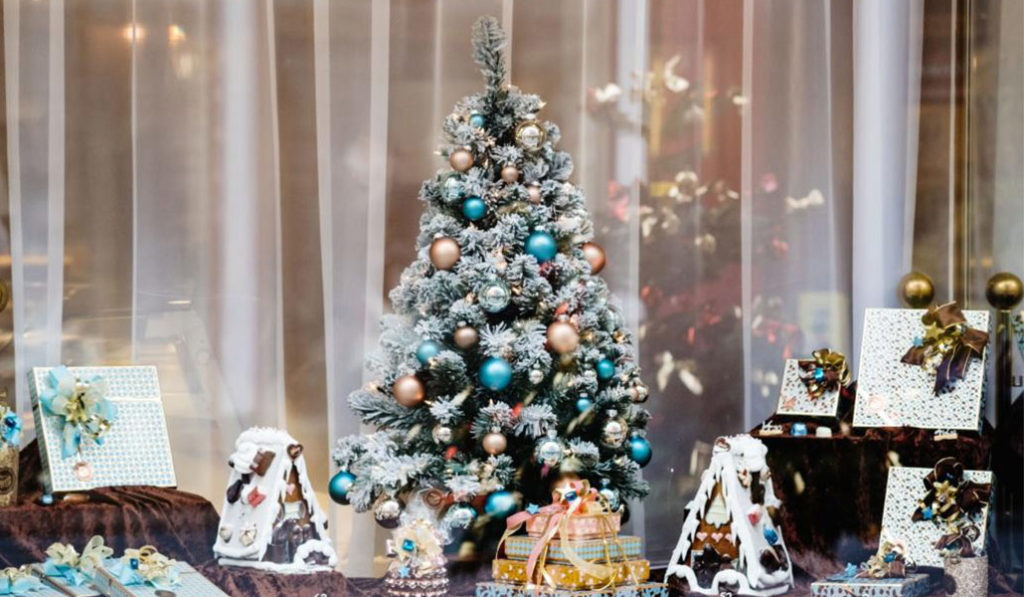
<point>461,160</point>
<point>444,253</point>
<point>408,390</point>
<point>595,257</point>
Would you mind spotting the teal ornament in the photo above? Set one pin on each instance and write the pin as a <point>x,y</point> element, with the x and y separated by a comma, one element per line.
<point>771,536</point>
<point>340,485</point>
<point>500,504</point>
<point>584,403</point>
<point>408,545</point>
<point>427,350</point>
<point>495,374</point>
<point>542,246</point>
<point>474,208</point>
<point>798,429</point>
<point>494,296</point>
<point>477,120</point>
<point>605,369</point>
<point>453,188</point>
<point>640,450</point>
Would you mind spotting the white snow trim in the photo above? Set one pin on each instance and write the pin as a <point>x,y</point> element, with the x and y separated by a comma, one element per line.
<point>311,547</point>
<point>725,577</point>
<point>290,569</point>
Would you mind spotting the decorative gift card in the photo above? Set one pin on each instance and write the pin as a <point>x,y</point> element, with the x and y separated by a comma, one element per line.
<point>922,368</point>
<point>811,387</point>
<point>100,427</point>
<point>934,512</point>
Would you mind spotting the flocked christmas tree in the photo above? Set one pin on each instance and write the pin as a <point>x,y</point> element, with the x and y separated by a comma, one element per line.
<point>506,364</point>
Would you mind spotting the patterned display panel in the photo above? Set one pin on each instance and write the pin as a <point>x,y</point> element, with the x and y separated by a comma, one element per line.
<point>193,584</point>
<point>794,399</point>
<point>915,585</point>
<point>135,451</point>
<point>905,488</point>
<point>891,393</point>
<point>497,589</point>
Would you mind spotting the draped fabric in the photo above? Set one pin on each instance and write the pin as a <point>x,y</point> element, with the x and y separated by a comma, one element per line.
<point>228,190</point>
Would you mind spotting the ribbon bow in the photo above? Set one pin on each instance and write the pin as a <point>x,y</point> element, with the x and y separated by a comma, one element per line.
<point>10,427</point>
<point>949,496</point>
<point>947,346</point>
<point>889,562</point>
<point>64,561</point>
<point>81,406</point>
<point>418,545</point>
<point>18,581</point>
<point>145,566</point>
<point>826,372</point>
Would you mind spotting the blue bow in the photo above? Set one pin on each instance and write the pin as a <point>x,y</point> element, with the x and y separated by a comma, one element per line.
<point>144,566</point>
<point>81,406</point>
<point>18,581</point>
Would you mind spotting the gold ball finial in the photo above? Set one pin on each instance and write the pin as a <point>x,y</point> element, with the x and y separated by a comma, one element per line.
<point>1004,291</point>
<point>917,290</point>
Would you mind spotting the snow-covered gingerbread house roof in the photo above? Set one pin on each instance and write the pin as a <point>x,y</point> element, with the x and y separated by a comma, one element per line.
<point>728,539</point>
<point>271,518</point>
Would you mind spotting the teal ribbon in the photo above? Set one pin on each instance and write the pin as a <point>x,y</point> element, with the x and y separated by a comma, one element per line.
<point>18,582</point>
<point>145,566</point>
<point>82,412</point>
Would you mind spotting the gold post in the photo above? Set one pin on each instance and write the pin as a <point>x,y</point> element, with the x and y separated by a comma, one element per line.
<point>1003,292</point>
<point>917,290</point>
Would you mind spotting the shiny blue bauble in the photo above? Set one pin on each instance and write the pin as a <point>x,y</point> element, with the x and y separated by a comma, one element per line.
<point>500,504</point>
<point>640,450</point>
<point>340,485</point>
<point>477,120</point>
<point>542,246</point>
<point>495,374</point>
<point>474,208</point>
<point>584,403</point>
<point>605,369</point>
<point>427,350</point>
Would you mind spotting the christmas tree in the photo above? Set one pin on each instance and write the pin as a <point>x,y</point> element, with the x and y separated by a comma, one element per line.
<point>506,364</point>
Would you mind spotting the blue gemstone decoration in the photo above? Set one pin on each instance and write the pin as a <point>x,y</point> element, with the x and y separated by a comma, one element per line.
<point>408,545</point>
<point>477,120</point>
<point>571,496</point>
<point>474,208</point>
<point>583,404</point>
<point>798,429</point>
<point>819,374</point>
<point>427,350</point>
<point>640,450</point>
<point>47,499</point>
<point>133,563</point>
<point>533,508</point>
<point>771,536</point>
<point>889,557</point>
<point>500,504</point>
<point>542,246</point>
<point>339,486</point>
<point>605,369</point>
<point>927,514</point>
<point>495,374</point>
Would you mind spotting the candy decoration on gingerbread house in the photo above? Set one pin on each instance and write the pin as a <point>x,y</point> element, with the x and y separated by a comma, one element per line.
<point>271,518</point>
<point>729,541</point>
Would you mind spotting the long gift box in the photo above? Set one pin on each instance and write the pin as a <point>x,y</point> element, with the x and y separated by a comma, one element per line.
<point>570,577</point>
<point>59,587</point>
<point>578,526</point>
<point>499,589</point>
<point>8,476</point>
<point>841,585</point>
<point>193,584</point>
<point>592,550</point>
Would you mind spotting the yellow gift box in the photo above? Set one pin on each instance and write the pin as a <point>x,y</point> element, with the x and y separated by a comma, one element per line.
<point>570,577</point>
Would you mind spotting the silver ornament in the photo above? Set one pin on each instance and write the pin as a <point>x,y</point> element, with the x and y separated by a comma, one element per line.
<point>388,513</point>
<point>614,432</point>
<point>494,296</point>
<point>442,434</point>
<point>453,188</point>
<point>529,135</point>
<point>611,496</point>
<point>536,376</point>
<point>549,450</point>
<point>460,516</point>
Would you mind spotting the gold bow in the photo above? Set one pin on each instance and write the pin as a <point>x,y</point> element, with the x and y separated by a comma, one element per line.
<point>825,372</point>
<point>948,345</point>
<point>888,562</point>
<point>427,551</point>
<point>91,558</point>
<point>154,567</point>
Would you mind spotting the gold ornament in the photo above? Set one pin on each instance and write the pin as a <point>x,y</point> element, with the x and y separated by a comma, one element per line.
<point>466,337</point>
<point>408,390</point>
<point>529,135</point>
<point>917,290</point>
<point>534,193</point>
<point>595,257</point>
<point>461,160</point>
<point>563,337</point>
<point>510,174</point>
<point>444,253</point>
<point>1004,291</point>
<point>494,442</point>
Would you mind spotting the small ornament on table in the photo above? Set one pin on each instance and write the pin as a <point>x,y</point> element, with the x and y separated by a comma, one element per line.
<point>445,253</point>
<point>947,346</point>
<point>417,548</point>
<point>827,371</point>
<point>798,429</point>
<point>10,439</point>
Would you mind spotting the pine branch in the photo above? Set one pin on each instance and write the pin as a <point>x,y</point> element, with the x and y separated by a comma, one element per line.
<point>488,52</point>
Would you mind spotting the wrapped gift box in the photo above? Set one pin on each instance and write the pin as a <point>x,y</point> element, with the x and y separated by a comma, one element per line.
<point>579,526</point>
<point>795,400</point>
<point>891,393</point>
<point>136,450</point>
<point>841,585</point>
<point>193,584</point>
<point>498,589</point>
<point>622,548</point>
<point>570,577</point>
<point>905,487</point>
